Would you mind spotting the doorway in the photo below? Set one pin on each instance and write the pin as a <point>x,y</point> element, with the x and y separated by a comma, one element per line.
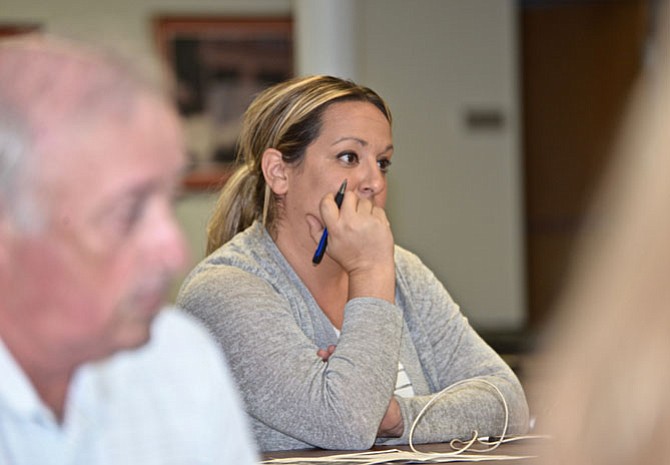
<point>579,62</point>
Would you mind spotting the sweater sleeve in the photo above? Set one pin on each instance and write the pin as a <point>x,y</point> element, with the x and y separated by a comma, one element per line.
<point>451,351</point>
<point>286,386</point>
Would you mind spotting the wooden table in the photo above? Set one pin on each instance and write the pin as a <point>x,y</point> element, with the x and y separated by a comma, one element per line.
<point>526,447</point>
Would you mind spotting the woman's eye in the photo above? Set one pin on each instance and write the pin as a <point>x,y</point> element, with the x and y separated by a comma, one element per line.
<point>384,164</point>
<point>348,157</point>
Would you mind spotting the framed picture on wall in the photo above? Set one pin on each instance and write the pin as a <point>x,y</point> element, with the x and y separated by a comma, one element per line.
<point>14,29</point>
<point>218,65</point>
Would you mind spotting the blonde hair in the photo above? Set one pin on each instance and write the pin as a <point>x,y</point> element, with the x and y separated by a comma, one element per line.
<point>286,117</point>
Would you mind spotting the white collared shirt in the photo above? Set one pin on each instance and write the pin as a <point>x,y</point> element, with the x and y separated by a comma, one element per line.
<point>169,402</point>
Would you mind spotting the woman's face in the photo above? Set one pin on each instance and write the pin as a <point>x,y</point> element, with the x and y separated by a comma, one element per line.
<point>355,143</point>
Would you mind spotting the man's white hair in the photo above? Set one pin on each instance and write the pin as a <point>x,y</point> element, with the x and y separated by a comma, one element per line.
<point>50,85</point>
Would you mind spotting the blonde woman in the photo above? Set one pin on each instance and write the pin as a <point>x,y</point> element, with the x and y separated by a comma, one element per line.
<point>343,353</point>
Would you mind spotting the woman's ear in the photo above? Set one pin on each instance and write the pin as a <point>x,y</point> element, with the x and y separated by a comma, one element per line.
<point>275,171</point>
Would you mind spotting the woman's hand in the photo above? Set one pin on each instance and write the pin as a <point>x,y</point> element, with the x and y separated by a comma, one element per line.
<point>360,241</point>
<point>392,425</point>
<point>325,354</point>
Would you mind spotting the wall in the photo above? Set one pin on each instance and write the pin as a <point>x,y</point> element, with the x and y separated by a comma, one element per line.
<point>124,25</point>
<point>455,193</point>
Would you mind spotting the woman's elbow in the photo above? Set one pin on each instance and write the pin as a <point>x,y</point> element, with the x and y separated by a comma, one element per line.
<point>353,434</point>
<point>519,414</point>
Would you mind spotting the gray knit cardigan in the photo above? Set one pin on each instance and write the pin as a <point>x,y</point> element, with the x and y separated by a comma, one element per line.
<point>270,328</point>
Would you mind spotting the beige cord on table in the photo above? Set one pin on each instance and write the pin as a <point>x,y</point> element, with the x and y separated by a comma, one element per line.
<point>395,455</point>
<point>470,442</point>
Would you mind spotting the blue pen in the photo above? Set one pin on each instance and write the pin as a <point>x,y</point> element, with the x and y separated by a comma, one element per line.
<point>321,248</point>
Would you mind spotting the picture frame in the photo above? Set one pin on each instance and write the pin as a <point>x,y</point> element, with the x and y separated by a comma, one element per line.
<point>15,29</point>
<point>217,66</point>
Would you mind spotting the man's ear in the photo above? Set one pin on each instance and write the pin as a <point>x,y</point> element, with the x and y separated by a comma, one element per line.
<point>6,231</point>
<point>275,171</point>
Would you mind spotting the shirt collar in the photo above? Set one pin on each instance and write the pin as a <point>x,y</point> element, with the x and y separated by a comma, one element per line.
<point>16,391</point>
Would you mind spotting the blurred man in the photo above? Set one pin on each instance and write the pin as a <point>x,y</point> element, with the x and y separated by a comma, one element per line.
<point>91,372</point>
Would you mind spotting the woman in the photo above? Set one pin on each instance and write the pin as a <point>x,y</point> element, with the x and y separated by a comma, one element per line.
<point>317,350</point>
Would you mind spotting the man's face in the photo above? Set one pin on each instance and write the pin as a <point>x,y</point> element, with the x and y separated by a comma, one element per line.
<point>90,282</point>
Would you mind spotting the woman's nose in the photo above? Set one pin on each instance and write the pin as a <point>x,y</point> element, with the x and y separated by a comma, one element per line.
<point>372,180</point>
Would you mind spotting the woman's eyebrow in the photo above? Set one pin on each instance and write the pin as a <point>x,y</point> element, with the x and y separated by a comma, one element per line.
<point>362,143</point>
<point>389,148</point>
<point>355,139</point>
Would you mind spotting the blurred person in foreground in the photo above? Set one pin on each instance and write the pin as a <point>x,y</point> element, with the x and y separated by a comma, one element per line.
<point>346,353</point>
<point>606,377</point>
<point>92,372</point>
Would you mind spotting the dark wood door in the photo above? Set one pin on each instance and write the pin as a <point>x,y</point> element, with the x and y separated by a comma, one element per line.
<point>579,63</point>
